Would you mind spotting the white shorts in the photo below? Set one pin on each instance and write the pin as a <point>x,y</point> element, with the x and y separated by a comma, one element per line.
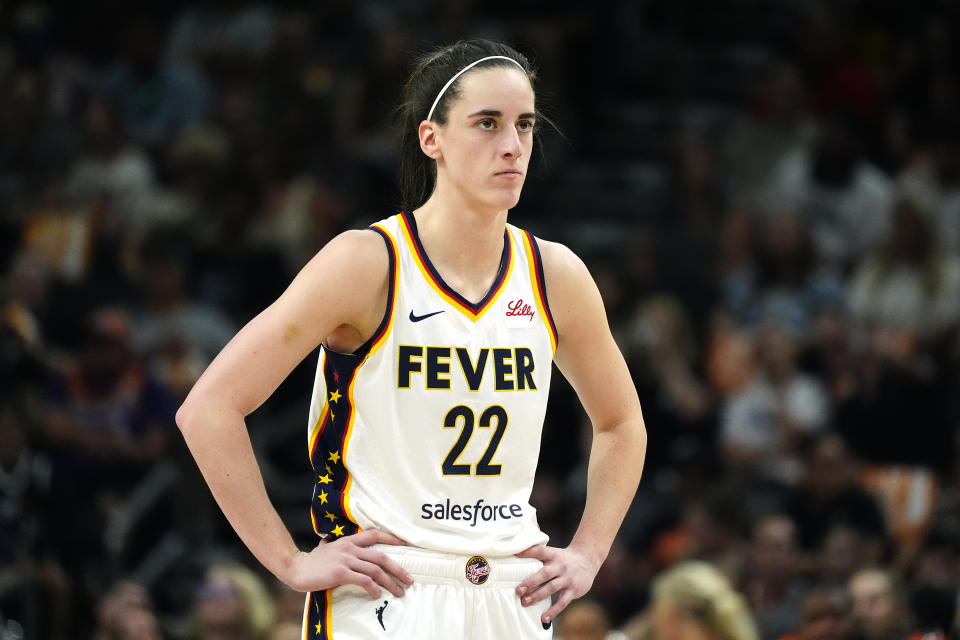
<point>453,597</point>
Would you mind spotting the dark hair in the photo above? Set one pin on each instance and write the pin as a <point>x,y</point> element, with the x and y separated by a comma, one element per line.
<point>418,173</point>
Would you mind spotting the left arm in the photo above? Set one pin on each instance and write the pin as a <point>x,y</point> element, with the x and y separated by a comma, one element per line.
<point>590,360</point>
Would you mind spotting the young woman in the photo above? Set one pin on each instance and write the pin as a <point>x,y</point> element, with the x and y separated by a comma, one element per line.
<point>438,334</point>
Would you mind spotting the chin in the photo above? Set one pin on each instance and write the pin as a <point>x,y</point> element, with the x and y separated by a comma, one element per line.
<point>504,201</point>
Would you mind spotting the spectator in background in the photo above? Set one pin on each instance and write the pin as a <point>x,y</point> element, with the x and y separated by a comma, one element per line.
<point>125,613</point>
<point>232,603</point>
<point>136,624</point>
<point>108,410</point>
<point>774,125</point>
<point>29,575</point>
<point>825,615</point>
<point>584,620</point>
<point>662,353</point>
<point>218,32</point>
<point>178,336</point>
<point>830,496</point>
<point>687,225</point>
<point>771,581</point>
<point>885,387</point>
<point>880,607</point>
<point>113,182</point>
<point>844,552</point>
<point>764,426</point>
<point>35,147</point>
<point>694,601</point>
<point>911,286</point>
<point>843,199</point>
<point>933,174</point>
<point>156,96</point>
<point>782,284</point>
<point>107,421</point>
<point>934,579</point>
<point>286,631</point>
<point>709,530</point>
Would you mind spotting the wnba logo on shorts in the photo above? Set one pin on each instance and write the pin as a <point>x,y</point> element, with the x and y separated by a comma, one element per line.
<point>478,570</point>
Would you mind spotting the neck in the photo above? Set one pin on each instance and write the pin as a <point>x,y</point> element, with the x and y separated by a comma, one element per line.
<point>464,243</point>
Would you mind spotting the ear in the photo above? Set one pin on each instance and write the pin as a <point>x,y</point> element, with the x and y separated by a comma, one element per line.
<point>429,142</point>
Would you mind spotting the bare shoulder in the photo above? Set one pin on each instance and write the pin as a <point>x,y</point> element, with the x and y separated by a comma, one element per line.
<point>359,251</point>
<point>570,287</point>
<point>559,261</point>
<point>563,269</point>
<point>345,283</point>
<point>355,262</point>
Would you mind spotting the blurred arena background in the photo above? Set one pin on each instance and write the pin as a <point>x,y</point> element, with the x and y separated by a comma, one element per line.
<point>767,192</point>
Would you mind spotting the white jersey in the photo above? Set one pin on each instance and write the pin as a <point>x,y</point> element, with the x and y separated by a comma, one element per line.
<point>431,430</point>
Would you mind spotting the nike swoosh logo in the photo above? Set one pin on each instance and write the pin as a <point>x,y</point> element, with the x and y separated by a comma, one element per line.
<point>414,318</point>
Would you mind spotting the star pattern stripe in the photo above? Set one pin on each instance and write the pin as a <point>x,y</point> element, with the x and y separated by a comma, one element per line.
<point>329,454</point>
<point>319,616</point>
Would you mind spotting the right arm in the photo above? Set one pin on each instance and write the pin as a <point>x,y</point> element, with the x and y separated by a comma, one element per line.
<point>341,294</point>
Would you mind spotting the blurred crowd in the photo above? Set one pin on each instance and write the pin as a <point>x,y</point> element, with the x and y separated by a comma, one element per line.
<point>766,191</point>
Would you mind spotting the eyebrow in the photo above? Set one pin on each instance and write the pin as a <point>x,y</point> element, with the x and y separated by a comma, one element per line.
<point>499,114</point>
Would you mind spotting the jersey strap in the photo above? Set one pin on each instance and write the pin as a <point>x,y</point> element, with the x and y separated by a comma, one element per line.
<point>539,285</point>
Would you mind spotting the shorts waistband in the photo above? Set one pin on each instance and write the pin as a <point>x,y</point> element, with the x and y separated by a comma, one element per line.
<point>451,568</point>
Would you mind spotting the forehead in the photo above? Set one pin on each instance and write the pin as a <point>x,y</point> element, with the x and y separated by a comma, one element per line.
<point>498,88</point>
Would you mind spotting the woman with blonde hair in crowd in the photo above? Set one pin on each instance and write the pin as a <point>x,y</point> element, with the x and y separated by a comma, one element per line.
<point>232,603</point>
<point>694,601</point>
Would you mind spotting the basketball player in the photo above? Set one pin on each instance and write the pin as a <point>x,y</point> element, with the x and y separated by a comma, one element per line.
<point>439,326</point>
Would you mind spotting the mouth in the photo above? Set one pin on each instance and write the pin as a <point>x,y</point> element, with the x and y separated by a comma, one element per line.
<point>509,174</point>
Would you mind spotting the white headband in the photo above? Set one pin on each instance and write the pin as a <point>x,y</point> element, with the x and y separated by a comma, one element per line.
<point>464,70</point>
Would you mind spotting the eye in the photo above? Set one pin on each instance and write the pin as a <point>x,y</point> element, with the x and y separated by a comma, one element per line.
<point>488,124</point>
<point>525,126</point>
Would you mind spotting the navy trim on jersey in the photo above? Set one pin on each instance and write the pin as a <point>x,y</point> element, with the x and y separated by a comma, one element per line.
<point>317,606</point>
<point>542,283</point>
<point>364,349</point>
<point>331,475</point>
<point>411,222</point>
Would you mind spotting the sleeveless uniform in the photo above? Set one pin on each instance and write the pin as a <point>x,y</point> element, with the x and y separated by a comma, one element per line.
<point>431,431</point>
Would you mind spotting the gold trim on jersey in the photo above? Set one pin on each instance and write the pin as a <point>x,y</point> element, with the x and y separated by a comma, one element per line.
<point>436,286</point>
<point>538,292</point>
<point>318,426</point>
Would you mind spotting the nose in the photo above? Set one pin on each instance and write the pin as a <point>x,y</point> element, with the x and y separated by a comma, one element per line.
<point>510,141</point>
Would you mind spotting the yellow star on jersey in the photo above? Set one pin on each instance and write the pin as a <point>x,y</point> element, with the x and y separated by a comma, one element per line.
<point>330,516</point>
<point>329,470</point>
<point>323,497</point>
<point>332,415</point>
<point>334,396</point>
<point>338,530</point>
<point>324,479</point>
<point>334,457</point>
<point>318,628</point>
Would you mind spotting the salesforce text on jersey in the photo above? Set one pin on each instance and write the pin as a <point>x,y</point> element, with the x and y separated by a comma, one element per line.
<point>470,512</point>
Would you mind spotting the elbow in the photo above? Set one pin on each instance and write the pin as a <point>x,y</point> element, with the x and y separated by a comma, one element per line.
<point>183,415</point>
<point>186,415</point>
<point>642,433</point>
<point>640,436</point>
<point>205,411</point>
<point>639,428</point>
